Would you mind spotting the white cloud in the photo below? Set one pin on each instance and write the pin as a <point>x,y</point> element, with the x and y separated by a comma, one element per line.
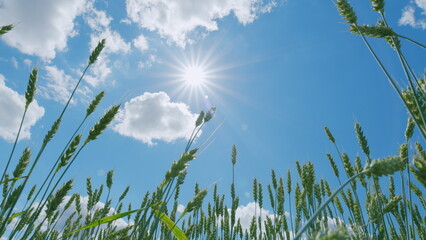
<point>99,72</point>
<point>421,4</point>
<point>148,62</point>
<point>28,62</point>
<point>59,85</point>
<point>152,116</point>
<point>99,22</point>
<point>114,42</point>
<point>119,223</point>
<point>247,212</point>
<point>408,15</point>
<point>11,109</point>
<point>42,27</point>
<point>141,43</point>
<point>176,20</point>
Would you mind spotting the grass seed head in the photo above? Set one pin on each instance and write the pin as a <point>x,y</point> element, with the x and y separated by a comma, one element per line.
<point>94,103</point>
<point>123,195</point>
<point>392,204</point>
<point>330,136</point>
<point>419,169</point>
<point>359,168</point>
<point>69,152</point>
<point>199,119</point>
<point>346,11</point>
<point>56,199</point>
<point>5,185</point>
<point>209,115</point>
<point>385,166</point>
<point>5,29</point>
<point>288,182</point>
<point>109,179</point>
<point>234,155</point>
<point>410,129</point>
<point>180,165</point>
<point>333,165</point>
<point>51,133</point>
<point>23,163</point>
<point>31,88</point>
<point>30,195</point>
<point>103,123</point>
<point>13,197</point>
<point>377,31</point>
<point>378,5</point>
<point>347,164</point>
<point>362,139</point>
<point>196,203</point>
<point>96,52</point>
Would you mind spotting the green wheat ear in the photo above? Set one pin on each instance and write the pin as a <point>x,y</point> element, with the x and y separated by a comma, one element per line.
<point>109,179</point>
<point>23,163</point>
<point>55,200</point>
<point>5,29</point>
<point>373,31</point>
<point>346,11</point>
<point>362,140</point>
<point>234,154</point>
<point>51,133</point>
<point>94,103</point>
<point>419,168</point>
<point>69,152</point>
<point>103,123</point>
<point>31,88</point>
<point>378,5</point>
<point>385,166</point>
<point>330,136</point>
<point>199,119</point>
<point>195,203</point>
<point>410,129</point>
<point>95,54</point>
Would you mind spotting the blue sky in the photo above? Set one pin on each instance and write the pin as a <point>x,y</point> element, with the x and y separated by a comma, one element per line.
<point>277,71</point>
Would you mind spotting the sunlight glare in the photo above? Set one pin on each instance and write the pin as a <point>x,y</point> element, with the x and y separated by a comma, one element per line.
<point>194,75</point>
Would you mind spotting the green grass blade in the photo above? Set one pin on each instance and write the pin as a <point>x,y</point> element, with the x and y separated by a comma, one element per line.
<point>170,225</point>
<point>15,215</point>
<point>13,179</point>
<point>105,220</point>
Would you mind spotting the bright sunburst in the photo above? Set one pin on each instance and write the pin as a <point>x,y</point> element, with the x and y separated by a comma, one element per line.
<point>194,75</point>
<point>197,75</point>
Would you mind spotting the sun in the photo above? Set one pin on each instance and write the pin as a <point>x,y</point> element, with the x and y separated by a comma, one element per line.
<point>194,75</point>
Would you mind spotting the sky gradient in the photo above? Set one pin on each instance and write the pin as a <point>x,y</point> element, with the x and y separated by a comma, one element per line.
<point>277,72</point>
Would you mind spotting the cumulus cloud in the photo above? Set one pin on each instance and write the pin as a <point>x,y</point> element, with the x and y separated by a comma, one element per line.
<point>99,22</point>
<point>42,27</point>
<point>28,62</point>
<point>176,20</point>
<point>246,214</point>
<point>58,86</point>
<point>152,116</point>
<point>141,43</point>
<point>409,17</point>
<point>149,61</point>
<point>421,4</point>
<point>12,107</point>
<point>99,72</point>
<point>119,223</point>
